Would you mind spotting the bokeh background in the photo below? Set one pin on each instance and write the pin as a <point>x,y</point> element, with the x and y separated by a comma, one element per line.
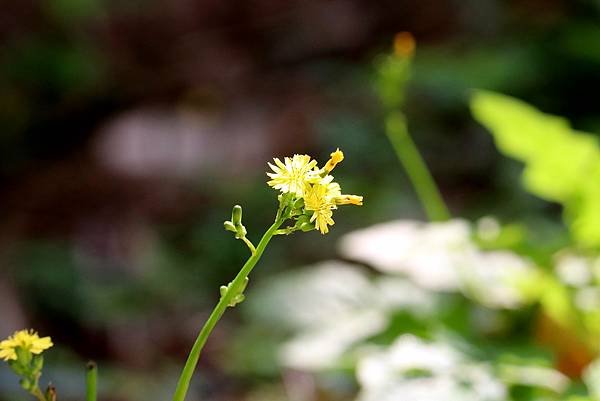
<point>129,129</point>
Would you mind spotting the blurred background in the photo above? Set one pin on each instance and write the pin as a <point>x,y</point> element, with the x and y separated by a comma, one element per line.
<point>129,129</point>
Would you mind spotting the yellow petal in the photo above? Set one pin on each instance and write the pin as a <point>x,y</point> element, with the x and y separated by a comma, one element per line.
<point>41,344</point>
<point>8,354</point>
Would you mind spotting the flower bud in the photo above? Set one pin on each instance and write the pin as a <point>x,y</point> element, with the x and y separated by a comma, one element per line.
<point>229,226</point>
<point>298,204</point>
<point>236,215</point>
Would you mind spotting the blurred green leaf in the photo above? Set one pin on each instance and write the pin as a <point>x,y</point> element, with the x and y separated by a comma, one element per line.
<point>561,164</point>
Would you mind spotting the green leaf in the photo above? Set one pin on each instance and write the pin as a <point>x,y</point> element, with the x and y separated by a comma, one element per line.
<point>561,164</point>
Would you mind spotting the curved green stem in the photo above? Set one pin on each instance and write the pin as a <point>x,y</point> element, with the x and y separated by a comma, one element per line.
<point>234,289</point>
<point>417,171</point>
<point>249,244</point>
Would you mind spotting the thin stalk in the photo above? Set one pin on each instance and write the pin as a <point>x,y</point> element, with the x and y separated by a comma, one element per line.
<point>234,288</point>
<point>415,167</point>
<point>250,245</point>
<point>38,394</point>
<point>91,381</point>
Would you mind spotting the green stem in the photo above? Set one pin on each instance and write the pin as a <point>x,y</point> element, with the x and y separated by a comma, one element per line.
<point>250,245</point>
<point>38,394</point>
<point>91,380</point>
<point>417,171</point>
<point>234,289</point>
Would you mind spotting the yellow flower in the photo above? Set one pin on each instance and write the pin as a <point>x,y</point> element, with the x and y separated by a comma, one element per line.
<point>300,176</point>
<point>336,157</point>
<point>27,340</point>
<point>323,198</point>
<point>318,201</point>
<point>293,175</point>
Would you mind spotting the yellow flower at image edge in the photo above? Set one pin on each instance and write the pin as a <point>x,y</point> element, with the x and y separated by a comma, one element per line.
<point>293,174</point>
<point>27,340</point>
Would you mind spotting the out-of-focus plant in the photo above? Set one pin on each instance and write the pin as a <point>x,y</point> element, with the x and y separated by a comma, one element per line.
<point>440,319</point>
<point>444,317</point>
<point>307,200</point>
<point>561,164</point>
<point>393,73</point>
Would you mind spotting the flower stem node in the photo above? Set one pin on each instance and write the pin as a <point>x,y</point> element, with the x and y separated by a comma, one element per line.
<point>236,298</point>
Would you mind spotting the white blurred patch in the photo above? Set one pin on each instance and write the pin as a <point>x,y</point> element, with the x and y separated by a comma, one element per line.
<point>332,306</point>
<point>427,253</point>
<point>492,278</point>
<point>322,347</point>
<point>440,257</point>
<point>591,378</point>
<point>488,228</point>
<point>573,270</point>
<point>395,293</point>
<point>411,369</point>
<point>407,353</point>
<point>535,376</point>
<point>588,299</point>
<point>165,142</point>
<point>312,296</point>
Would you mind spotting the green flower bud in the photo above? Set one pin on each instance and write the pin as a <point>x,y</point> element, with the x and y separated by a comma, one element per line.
<point>298,203</point>
<point>305,227</point>
<point>236,215</point>
<point>229,226</point>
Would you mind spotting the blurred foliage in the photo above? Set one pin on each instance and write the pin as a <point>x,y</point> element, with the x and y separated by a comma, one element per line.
<point>561,164</point>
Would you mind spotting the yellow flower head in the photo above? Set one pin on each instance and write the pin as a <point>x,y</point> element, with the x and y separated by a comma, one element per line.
<point>336,157</point>
<point>27,340</point>
<point>318,200</point>
<point>294,174</point>
<point>300,176</point>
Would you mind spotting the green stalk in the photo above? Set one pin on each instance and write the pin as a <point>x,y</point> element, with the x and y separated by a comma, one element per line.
<point>409,156</point>
<point>234,289</point>
<point>37,393</point>
<point>91,381</point>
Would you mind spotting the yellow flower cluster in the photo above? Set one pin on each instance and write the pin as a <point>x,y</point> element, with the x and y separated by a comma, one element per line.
<point>300,176</point>
<point>27,340</point>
